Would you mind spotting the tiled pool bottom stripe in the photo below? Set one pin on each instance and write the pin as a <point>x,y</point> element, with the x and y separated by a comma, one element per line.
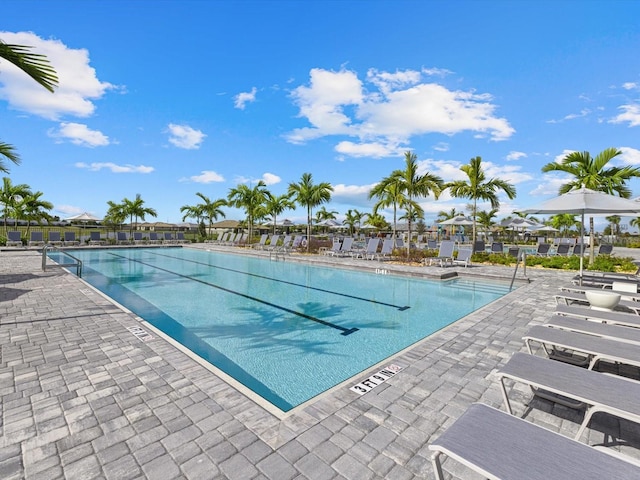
<point>173,419</point>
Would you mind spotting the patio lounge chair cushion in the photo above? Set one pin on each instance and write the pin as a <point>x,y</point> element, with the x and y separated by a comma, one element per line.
<point>614,318</point>
<point>498,445</point>
<point>599,392</point>
<point>612,332</point>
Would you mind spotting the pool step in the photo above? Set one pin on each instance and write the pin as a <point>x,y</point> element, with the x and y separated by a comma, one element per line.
<point>482,287</point>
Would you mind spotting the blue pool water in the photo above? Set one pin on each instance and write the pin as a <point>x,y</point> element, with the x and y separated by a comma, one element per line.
<point>288,331</point>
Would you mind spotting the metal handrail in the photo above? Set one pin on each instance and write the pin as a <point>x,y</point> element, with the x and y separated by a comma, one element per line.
<point>77,264</point>
<point>522,255</point>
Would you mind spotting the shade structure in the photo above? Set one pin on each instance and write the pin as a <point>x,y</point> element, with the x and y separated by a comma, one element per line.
<point>460,220</point>
<point>521,223</point>
<point>84,217</point>
<point>544,228</point>
<point>583,202</point>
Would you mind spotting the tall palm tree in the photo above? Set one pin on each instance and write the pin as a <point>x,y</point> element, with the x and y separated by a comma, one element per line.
<point>388,193</point>
<point>564,222</point>
<point>211,210</point>
<point>477,187</point>
<point>275,205</point>
<point>413,186</point>
<point>310,195</point>
<point>322,215</point>
<point>594,174</point>
<point>635,222</point>
<point>10,196</point>
<point>614,221</point>
<point>252,200</point>
<point>136,209</point>
<point>38,68</point>
<point>354,219</point>
<point>194,211</point>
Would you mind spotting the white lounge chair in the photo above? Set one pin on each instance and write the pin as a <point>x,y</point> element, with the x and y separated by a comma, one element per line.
<point>463,258</point>
<point>345,249</point>
<point>386,251</point>
<point>616,287</point>
<point>612,332</point>
<point>497,445</point>
<point>273,242</point>
<point>335,248</point>
<point>586,313</point>
<point>445,254</point>
<point>576,387</point>
<point>261,244</point>
<point>569,298</point>
<point>585,349</point>
<point>372,248</point>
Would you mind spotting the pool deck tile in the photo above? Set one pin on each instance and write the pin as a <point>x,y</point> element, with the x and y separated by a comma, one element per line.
<point>82,397</point>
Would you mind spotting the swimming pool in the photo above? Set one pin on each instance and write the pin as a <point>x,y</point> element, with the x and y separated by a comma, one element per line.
<point>286,330</point>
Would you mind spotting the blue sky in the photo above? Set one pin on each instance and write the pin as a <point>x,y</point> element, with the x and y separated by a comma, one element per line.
<point>170,98</point>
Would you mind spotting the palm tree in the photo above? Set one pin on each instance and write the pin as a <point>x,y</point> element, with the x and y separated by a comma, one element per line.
<point>354,219</point>
<point>413,186</point>
<point>485,219</point>
<point>377,221</point>
<point>563,222</point>
<point>594,174</point>
<point>38,68</point>
<point>136,209</point>
<point>322,215</point>
<point>211,210</point>
<point>115,215</point>
<point>194,211</point>
<point>389,195</point>
<point>10,196</point>
<point>34,208</point>
<point>477,187</point>
<point>275,205</point>
<point>635,222</point>
<point>614,221</point>
<point>251,199</point>
<point>309,195</point>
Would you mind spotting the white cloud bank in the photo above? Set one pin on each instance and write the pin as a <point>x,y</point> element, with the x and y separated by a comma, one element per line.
<point>382,113</point>
<point>78,84</point>
<point>206,176</point>
<point>267,178</point>
<point>183,136</point>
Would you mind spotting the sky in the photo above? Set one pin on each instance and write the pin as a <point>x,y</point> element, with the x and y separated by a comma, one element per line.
<point>169,98</point>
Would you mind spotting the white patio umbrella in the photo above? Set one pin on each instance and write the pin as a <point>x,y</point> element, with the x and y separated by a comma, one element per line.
<point>84,217</point>
<point>459,220</point>
<point>586,202</point>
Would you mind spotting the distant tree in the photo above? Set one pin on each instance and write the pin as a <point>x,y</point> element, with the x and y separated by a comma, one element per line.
<point>485,219</point>
<point>635,222</point>
<point>38,68</point>
<point>564,222</point>
<point>10,197</point>
<point>310,195</point>
<point>614,224</point>
<point>594,174</point>
<point>252,200</point>
<point>33,208</point>
<point>377,221</point>
<point>275,205</point>
<point>135,209</point>
<point>115,215</point>
<point>389,194</point>
<point>477,187</point>
<point>354,219</point>
<point>209,210</point>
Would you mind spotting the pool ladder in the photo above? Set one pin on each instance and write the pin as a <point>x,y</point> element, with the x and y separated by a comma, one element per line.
<point>277,253</point>
<point>75,263</point>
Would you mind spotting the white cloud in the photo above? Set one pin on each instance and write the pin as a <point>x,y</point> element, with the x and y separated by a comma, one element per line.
<point>97,166</point>
<point>352,195</point>
<point>183,136</point>
<point>79,134</point>
<point>243,98</point>
<point>441,147</point>
<point>631,114</point>
<point>559,158</point>
<point>583,113</point>
<point>513,155</point>
<point>392,108</point>
<point>375,150</point>
<point>267,178</point>
<point>550,186</point>
<point>629,156</point>
<point>78,84</point>
<point>630,85</point>
<point>206,176</point>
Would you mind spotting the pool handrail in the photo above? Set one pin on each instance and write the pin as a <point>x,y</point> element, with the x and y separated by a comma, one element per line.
<point>77,264</point>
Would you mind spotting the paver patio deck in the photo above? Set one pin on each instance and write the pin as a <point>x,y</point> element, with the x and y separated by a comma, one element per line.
<point>82,397</point>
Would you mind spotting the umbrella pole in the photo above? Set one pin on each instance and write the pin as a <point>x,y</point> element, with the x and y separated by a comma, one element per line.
<point>581,246</point>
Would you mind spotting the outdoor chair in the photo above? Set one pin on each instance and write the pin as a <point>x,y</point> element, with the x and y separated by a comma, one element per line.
<point>372,248</point>
<point>598,329</point>
<point>261,244</point>
<point>14,239</point>
<point>432,244</point>
<point>386,251</point>
<point>138,238</point>
<point>576,387</point>
<point>605,249</point>
<point>95,239</point>
<point>153,238</point>
<point>463,258</point>
<point>445,254</point>
<point>495,444</point>
<point>543,249</point>
<point>54,238</point>
<point>479,246</point>
<point>569,298</point>
<point>611,318</point>
<point>70,239</point>
<point>36,239</point>
<point>563,249</point>
<point>497,247</point>
<point>121,238</point>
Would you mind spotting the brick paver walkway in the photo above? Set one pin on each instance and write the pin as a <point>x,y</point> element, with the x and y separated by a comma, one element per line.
<point>82,397</point>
